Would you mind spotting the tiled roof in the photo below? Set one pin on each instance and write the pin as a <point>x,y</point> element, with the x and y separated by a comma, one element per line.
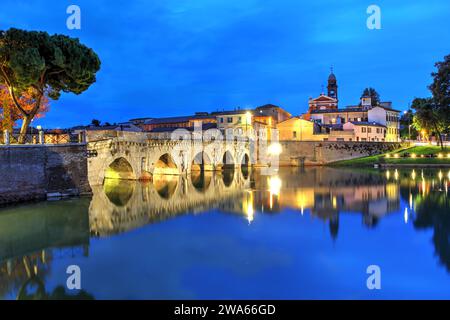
<point>205,126</point>
<point>177,119</point>
<point>231,112</point>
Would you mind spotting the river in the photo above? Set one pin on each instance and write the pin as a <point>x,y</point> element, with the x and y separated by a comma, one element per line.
<point>299,234</point>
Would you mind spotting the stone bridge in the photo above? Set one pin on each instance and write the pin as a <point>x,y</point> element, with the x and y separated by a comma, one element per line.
<point>135,156</point>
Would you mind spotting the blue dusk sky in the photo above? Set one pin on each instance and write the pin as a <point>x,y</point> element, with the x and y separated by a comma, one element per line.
<point>172,57</point>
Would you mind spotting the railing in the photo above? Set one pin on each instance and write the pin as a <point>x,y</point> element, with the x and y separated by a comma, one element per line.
<point>42,138</point>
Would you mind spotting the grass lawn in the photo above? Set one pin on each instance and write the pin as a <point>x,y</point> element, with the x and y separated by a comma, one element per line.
<point>390,158</point>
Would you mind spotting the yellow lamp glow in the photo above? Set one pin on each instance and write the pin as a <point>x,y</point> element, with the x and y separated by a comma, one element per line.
<point>274,149</point>
<point>274,185</point>
<point>248,117</point>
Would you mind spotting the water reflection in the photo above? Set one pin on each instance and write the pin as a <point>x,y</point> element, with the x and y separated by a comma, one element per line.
<point>33,237</point>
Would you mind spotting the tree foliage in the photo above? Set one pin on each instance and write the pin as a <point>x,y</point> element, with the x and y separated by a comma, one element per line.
<point>9,113</point>
<point>45,64</point>
<point>373,94</point>
<point>433,114</point>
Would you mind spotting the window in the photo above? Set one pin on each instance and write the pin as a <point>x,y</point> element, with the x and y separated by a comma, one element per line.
<point>363,129</point>
<point>221,120</point>
<point>369,130</point>
<point>363,139</point>
<point>294,134</point>
<point>230,119</point>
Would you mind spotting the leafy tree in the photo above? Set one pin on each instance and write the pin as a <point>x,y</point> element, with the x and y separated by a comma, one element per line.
<point>428,117</point>
<point>45,64</point>
<point>440,89</point>
<point>9,113</point>
<point>96,122</point>
<point>372,93</point>
<point>433,114</point>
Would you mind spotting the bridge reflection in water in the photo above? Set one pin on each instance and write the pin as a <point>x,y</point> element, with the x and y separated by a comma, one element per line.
<point>32,236</point>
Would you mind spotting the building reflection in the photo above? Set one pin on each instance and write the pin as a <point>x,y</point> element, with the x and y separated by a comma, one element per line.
<point>325,193</point>
<point>121,205</point>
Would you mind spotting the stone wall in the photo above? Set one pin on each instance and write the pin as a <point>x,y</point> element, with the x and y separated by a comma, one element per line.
<point>295,153</point>
<point>32,172</point>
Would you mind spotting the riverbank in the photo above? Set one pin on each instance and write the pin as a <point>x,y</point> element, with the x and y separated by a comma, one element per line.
<point>418,156</point>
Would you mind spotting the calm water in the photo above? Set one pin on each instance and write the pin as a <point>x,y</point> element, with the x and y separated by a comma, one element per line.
<point>302,234</point>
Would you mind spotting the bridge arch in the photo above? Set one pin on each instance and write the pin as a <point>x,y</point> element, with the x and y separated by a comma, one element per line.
<point>228,160</point>
<point>245,160</point>
<point>165,185</point>
<point>118,192</point>
<point>120,168</point>
<point>202,162</point>
<point>166,165</point>
<point>201,180</point>
<point>228,177</point>
<point>245,164</point>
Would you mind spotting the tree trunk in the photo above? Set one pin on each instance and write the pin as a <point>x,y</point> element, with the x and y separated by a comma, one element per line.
<point>27,118</point>
<point>26,121</point>
<point>8,123</point>
<point>440,139</point>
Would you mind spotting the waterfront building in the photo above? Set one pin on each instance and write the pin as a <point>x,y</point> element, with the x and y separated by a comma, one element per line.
<point>381,116</point>
<point>367,116</point>
<point>365,131</point>
<point>240,120</point>
<point>271,113</point>
<point>298,129</point>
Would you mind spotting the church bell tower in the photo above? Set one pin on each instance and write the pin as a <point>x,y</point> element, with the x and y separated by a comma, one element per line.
<point>332,85</point>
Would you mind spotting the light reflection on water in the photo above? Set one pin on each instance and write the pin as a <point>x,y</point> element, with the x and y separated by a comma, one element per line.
<point>212,226</point>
